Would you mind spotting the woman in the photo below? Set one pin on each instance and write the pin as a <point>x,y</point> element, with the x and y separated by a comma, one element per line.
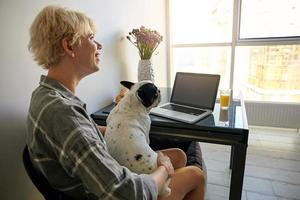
<point>65,144</point>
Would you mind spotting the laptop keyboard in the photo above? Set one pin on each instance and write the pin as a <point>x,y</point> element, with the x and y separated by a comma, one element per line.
<point>183,109</point>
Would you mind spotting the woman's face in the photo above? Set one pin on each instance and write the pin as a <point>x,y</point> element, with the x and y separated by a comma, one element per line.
<point>87,55</point>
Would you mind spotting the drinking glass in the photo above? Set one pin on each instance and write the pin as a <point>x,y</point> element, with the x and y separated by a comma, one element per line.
<point>225,98</point>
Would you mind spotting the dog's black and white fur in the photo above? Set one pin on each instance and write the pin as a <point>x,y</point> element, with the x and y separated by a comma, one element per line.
<point>128,126</point>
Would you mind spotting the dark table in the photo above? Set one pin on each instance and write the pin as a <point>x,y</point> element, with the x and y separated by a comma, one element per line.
<point>229,127</point>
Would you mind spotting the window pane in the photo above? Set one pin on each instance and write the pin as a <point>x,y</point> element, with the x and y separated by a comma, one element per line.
<point>268,73</point>
<point>210,60</point>
<point>201,21</point>
<point>269,18</point>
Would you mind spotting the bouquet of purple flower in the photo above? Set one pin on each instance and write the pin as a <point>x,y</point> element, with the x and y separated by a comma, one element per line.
<point>145,40</point>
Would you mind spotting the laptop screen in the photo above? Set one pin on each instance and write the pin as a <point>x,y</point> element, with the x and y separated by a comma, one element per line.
<point>196,90</point>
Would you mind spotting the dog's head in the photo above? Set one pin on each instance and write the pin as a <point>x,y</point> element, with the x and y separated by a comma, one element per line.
<point>145,91</point>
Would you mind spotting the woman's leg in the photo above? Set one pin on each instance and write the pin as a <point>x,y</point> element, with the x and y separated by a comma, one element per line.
<point>194,156</point>
<point>187,183</point>
<point>177,157</point>
<point>191,148</point>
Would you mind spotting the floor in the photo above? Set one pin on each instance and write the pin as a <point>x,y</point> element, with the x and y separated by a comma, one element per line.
<point>272,166</point>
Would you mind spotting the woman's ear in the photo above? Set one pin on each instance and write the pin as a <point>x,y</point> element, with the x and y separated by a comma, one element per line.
<point>67,47</point>
<point>127,84</point>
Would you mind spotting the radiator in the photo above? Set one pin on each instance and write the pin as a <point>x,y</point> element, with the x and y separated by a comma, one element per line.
<point>273,114</point>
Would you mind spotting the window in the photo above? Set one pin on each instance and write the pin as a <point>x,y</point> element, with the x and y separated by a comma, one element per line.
<point>201,21</point>
<point>268,73</point>
<point>269,18</point>
<point>213,60</point>
<point>253,44</point>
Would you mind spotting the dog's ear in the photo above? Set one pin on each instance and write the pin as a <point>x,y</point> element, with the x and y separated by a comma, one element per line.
<point>127,84</point>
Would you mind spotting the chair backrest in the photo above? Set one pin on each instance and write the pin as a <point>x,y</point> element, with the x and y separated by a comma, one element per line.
<point>40,181</point>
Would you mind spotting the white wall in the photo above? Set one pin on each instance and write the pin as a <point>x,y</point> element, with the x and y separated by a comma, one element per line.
<point>19,74</point>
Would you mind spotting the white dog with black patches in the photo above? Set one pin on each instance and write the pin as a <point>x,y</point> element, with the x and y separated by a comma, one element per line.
<point>128,126</point>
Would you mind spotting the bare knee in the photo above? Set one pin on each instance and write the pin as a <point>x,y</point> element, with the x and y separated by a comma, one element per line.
<point>182,158</point>
<point>177,156</point>
<point>196,174</point>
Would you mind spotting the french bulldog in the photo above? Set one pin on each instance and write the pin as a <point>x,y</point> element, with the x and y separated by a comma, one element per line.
<point>128,126</point>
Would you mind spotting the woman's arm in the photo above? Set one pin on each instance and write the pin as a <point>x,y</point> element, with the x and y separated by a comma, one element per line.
<point>86,158</point>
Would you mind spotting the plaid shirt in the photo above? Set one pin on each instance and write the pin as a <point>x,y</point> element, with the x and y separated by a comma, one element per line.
<point>66,146</point>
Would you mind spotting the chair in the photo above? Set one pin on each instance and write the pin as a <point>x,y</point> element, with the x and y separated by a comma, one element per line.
<point>40,181</point>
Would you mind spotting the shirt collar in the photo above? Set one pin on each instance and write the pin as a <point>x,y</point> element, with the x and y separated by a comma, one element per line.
<point>55,85</point>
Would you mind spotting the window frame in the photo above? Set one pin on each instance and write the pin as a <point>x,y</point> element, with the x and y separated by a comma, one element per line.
<point>236,40</point>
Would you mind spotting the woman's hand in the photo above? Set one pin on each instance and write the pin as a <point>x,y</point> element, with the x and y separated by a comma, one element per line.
<point>163,172</point>
<point>163,160</point>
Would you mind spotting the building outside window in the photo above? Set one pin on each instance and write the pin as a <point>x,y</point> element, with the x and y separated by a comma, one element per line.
<point>253,44</point>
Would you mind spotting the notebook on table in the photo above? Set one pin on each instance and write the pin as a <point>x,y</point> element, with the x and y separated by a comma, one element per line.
<point>193,97</point>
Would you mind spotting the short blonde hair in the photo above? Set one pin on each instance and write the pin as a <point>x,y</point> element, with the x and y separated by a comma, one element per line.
<point>50,26</point>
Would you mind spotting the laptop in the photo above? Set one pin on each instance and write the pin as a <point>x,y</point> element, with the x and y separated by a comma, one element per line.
<point>193,97</point>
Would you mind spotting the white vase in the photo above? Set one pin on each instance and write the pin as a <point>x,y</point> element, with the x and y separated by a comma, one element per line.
<point>145,70</point>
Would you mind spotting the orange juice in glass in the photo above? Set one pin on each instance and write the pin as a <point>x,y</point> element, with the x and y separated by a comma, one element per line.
<point>225,98</point>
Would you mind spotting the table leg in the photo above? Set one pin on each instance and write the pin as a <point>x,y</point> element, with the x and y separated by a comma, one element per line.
<point>231,156</point>
<point>237,173</point>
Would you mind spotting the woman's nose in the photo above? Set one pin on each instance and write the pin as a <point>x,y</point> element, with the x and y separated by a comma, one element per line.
<point>99,46</point>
